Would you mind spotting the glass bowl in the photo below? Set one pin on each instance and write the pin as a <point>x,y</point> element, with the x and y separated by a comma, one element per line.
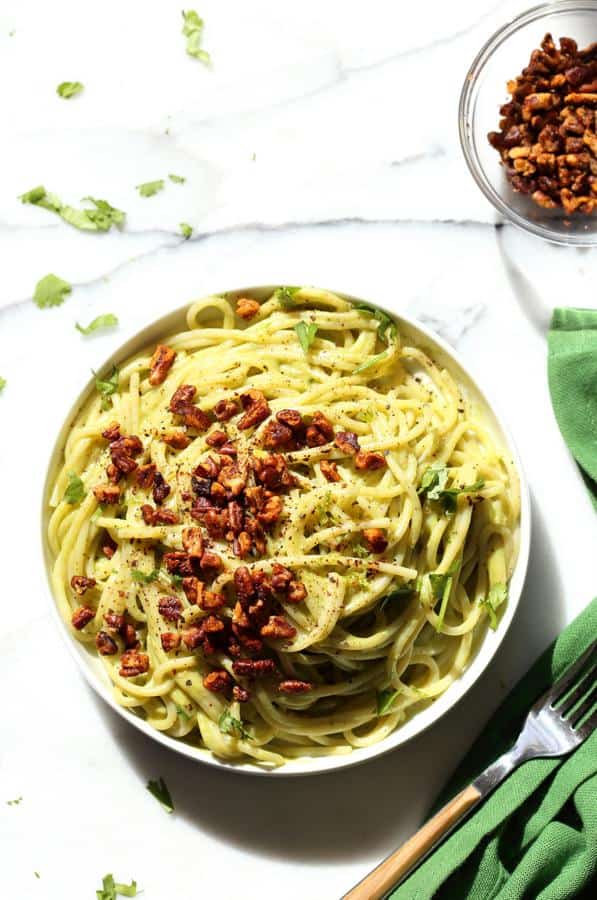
<point>502,58</point>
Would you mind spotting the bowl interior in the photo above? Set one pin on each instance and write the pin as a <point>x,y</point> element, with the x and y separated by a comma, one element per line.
<point>488,641</point>
<point>502,59</point>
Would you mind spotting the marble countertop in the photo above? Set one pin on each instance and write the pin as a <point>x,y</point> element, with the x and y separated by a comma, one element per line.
<point>321,147</point>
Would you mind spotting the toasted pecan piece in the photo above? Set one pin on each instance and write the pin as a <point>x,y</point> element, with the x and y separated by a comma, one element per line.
<point>278,627</point>
<point>375,539</point>
<point>296,592</point>
<point>240,694</point>
<point>192,541</point>
<point>294,686</point>
<point>81,617</point>
<point>181,397</point>
<point>246,308</point>
<point>160,364</point>
<point>281,577</point>
<point>160,489</point>
<point>366,459</point>
<point>170,640</point>
<point>133,663</point>
<point>107,494</point>
<point>193,589</point>
<point>256,409</point>
<point>212,601</point>
<point>145,475</point>
<point>192,637</point>
<point>112,432</point>
<point>320,431</point>
<point>217,680</point>
<point>272,510</point>
<point>242,544</point>
<point>114,621</point>
<point>276,436</point>
<point>170,608</point>
<point>253,668</point>
<point>211,561</point>
<point>106,645</point>
<point>243,583</point>
<point>226,409</point>
<point>329,470</point>
<point>347,442</point>
<point>108,545</point>
<point>80,584</point>
<point>178,563</point>
<point>176,439</point>
<point>216,439</point>
<point>291,418</point>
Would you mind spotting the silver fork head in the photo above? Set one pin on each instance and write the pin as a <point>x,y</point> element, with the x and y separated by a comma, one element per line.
<point>555,723</point>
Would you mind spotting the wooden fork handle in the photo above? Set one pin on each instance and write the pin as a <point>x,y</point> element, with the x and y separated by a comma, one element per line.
<point>378,882</point>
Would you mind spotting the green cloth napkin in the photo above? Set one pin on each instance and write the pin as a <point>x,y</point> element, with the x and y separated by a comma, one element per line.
<point>572,373</point>
<point>535,837</point>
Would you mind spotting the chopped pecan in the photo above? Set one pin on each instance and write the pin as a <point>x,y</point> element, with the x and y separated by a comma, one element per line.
<point>256,497</point>
<point>145,475</point>
<point>236,516</point>
<point>242,544</point>
<point>211,561</point>
<point>240,694</point>
<point>216,438</point>
<point>160,488</point>
<point>170,608</point>
<point>181,397</point>
<point>272,471</point>
<point>178,563</point>
<point>347,442</point>
<point>365,459</point>
<point>148,512</point>
<point>256,409</point>
<point>106,494</point>
<point>208,468</point>
<point>212,625</point>
<point>129,636</point>
<point>216,522</point>
<point>192,637</point>
<point>217,492</point>
<point>291,418</point>
<point>114,474</point>
<point>320,431</point>
<point>276,436</point>
<point>375,539</point>
<point>217,680</point>
<point>160,364</point>
<point>80,584</point>
<point>170,640</point>
<point>243,583</point>
<point>233,477</point>
<point>193,589</point>
<point>227,450</point>
<point>329,470</point>
<point>106,645</point>
<point>281,577</point>
<point>226,409</point>
<point>253,668</point>
<point>114,621</point>
<point>193,416</point>
<point>246,308</point>
<point>176,439</point>
<point>133,663</point>
<point>294,686</point>
<point>165,517</point>
<point>296,592</point>
<point>81,617</point>
<point>278,627</point>
<point>112,432</point>
<point>109,546</point>
<point>122,452</point>
<point>271,511</point>
<point>201,486</point>
<point>212,601</point>
<point>192,541</point>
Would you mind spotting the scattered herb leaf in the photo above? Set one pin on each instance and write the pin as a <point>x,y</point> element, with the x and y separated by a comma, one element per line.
<point>401,592</point>
<point>185,230</point>
<point>111,889</point>
<point>37,875</point>
<point>193,30</point>
<point>144,577</point>
<point>14,802</point>
<point>359,550</point>
<point>385,700</point>
<point>149,188</point>
<point>75,490</point>
<point>306,334</point>
<point>99,219</point>
<point>161,793</point>
<point>107,320</point>
<point>229,724</point>
<point>68,89</point>
<point>182,711</point>
<point>386,330</point>
<point>433,485</point>
<point>497,595</point>
<point>372,361</point>
<point>285,296</point>
<point>177,179</point>
<point>107,386</point>
<point>51,291</point>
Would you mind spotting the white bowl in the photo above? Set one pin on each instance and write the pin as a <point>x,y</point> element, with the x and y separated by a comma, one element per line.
<point>92,668</point>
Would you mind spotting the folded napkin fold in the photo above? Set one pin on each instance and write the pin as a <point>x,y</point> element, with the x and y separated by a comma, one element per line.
<point>535,837</point>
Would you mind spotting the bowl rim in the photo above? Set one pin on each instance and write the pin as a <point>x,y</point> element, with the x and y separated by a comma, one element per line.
<point>420,721</point>
<point>499,37</point>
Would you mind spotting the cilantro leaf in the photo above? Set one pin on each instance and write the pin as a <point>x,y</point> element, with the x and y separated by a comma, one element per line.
<point>360,551</point>
<point>75,490</point>
<point>68,89</point>
<point>433,485</point>
<point>177,179</point>
<point>285,297</point>
<point>386,330</point>
<point>193,31</point>
<point>372,361</point>
<point>144,577</point>
<point>99,219</point>
<point>498,594</point>
<point>441,586</point>
<point>385,700</point>
<point>51,291</point>
<point>229,724</point>
<point>306,334</point>
<point>14,802</point>
<point>185,230</point>
<point>149,188</point>
<point>403,591</point>
<point>2,384</point>
<point>111,889</point>
<point>182,711</point>
<point>161,793</point>
<point>107,320</point>
<point>107,386</point>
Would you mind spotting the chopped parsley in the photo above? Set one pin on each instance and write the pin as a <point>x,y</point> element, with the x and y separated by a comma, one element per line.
<point>111,889</point>
<point>51,291</point>
<point>322,511</point>
<point>497,595</point>
<point>99,219</point>
<point>386,330</point>
<point>107,386</point>
<point>37,875</point>
<point>185,230</point>
<point>145,577</point>
<point>359,550</point>
<point>177,179</point>
<point>229,724</point>
<point>2,384</point>
<point>372,361</point>
<point>107,320</point>
<point>149,188</point>
<point>75,490</point>
<point>161,793</point>
<point>285,297</point>
<point>402,592</point>
<point>433,486</point>
<point>306,334</point>
<point>68,89</point>
<point>385,700</point>
<point>14,802</point>
<point>193,31</point>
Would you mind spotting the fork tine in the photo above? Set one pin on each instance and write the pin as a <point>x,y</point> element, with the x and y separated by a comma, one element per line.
<point>588,727</point>
<point>563,683</point>
<point>585,707</point>
<point>579,691</point>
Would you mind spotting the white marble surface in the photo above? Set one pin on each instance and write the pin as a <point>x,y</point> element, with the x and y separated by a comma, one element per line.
<point>321,147</point>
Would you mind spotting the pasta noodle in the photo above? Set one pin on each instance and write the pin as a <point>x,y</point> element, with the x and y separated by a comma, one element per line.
<point>399,528</point>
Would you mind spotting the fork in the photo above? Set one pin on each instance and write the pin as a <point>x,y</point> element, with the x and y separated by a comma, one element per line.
<point>554,726</point>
